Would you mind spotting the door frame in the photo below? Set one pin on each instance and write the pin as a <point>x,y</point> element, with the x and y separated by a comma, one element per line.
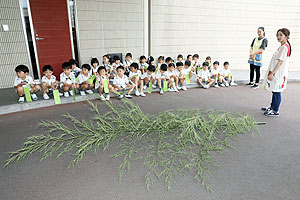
<point>70,28</point>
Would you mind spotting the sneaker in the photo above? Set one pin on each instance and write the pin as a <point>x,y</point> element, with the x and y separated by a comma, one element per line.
<point>206,86</point>
<point>161,91</point>
<point>226,84</point>
<point>179,88</point>
<point>121,96</point>
<point>172,90</point>
<point>255,86</point>
<point>21,100</point>
<point>45,96</point>
<point>145,87</point>
<point>184,88</point>
<point>107,97</point>
<point>128,96</point>
<point>271,113</point>
<point>82,93</point>
<point>34,97</point>
<point>137,93</point>
<point>66,94</point>
<point>71,92</point>
<point>153,86</point>
<point>250,83</point>
<point>222,85</point>
<point>60,94</point>
<point>89,91</point>
<point>266,109</point>
<point>233,84</point>
<point>216,85</point>
<point>142,94</point>
<point>102,98</point>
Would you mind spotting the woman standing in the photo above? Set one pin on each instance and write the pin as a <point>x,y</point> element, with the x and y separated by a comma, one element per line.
<point>276,76</point>
<point>257,48</point>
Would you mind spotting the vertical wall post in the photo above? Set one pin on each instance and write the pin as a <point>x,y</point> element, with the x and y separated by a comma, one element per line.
<point>146,27</point>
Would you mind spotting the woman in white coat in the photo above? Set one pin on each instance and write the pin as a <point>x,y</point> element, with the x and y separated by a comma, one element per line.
<point>277,73</point>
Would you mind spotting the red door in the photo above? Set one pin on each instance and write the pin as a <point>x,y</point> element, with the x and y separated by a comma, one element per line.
<point>51,31</point>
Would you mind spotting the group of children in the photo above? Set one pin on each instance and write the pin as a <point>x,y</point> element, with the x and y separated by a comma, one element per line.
<point>124,78</point>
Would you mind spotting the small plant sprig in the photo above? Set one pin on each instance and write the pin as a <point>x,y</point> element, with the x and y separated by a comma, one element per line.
<point>169,142</point>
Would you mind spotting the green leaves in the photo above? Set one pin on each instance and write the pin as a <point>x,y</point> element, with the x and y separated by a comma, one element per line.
<point>168,143</point>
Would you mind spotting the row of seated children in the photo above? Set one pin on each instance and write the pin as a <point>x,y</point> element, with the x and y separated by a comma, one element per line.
<point>124,77</point>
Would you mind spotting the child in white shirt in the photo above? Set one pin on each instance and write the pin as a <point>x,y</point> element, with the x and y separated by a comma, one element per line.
<point>215,73</point>
<point>143,64</point>
<point>23,80</point>
<point>116,63</point>
<point>149,76</point>
<point>161,60</point>
<point>179,73</point>
<point>179,58</point>
<point>101,77</point>
<point>162,76</point>
<point>121,83</point>
<point>85,80</point>
<point>196,65</point>
<point>173,79</point>
<point>127,62</point>
<point>228,76</point>
<point>107,65</point>
<point>49,82</point>
<point>67,80</point>
<point>135,77</point>
<point>204,78</point>
<point>76,70</point>
<point>95,65</point>
<point>187,70</point>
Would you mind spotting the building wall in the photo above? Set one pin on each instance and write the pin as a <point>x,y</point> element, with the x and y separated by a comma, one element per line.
<point>13,49</point>
<point>222,29</point>
<point>107,26</point>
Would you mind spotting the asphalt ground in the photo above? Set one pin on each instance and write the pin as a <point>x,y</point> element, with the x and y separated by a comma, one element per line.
<point>265,166</point>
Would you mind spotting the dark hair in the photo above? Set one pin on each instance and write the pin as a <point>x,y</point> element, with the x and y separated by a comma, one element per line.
<point>208,58</point>
<point>226,63</point>
<point>216,63</point>
<point>187,57</point>
<point>151,68</point>
<point>161,58</point>
<point>263,29</point>
<point>120,67</point>
<point>73,61</point>
<point>179,64</point>
<point>287,33</point>
<point>128,54</point>
<point>150,59</point>
<point>164,67</point>
<point>134,65</point>
<point>107,56</point>
<point>66,65</point>
<point>86,66</point>
<point>179,56</point>
<point>195,56</point>
<point>143,57</point>
<point>168,59</point>
<point>101,67</point>
<point>47,67</point>
<point>171,65</point>
<point>94,60</point>
<point>116,58</point>
<point>187,62</point>
<point>22,68</point>
<point>205,64</point>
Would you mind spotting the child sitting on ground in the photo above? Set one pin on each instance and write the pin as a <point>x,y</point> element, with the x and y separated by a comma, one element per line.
<point>95,65</point>
<point>162,76</point>
<point>76,70</point>
<point>49,82</point>
<point>215,73</point>
<point>226,73</point>
<point>127,62</point>
<point>121,83</point>
<point>173,79</point>
<point>149,76</point>
<point>67,80</point>
<point>204,78</point>
<point>179,73</point>
<point>116,64</point>
<point>208,59</point>
<point>187,71</point>
<point>168,60</point>
<point>23,80</point>
<point>135,77</point>
<point>150,61</point>
<point>101,77</point>
<point>143,64</point>
<point>179,58</point>
<point>161,60</point>
<point>85,80</point>
<point>196,65</point>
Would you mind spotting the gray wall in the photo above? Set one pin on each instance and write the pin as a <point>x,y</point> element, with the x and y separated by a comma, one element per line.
<point>109,27</point>
<point>13,49</point>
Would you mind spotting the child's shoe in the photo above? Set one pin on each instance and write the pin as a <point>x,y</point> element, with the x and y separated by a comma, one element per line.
<point>271,113</point>
<point>107,97</point>
<point>179,88</point>
<point>45,96</point>
<point>34,97</point>
<point>184,88</point>
<point>128,96</point>
<point>82,93</point>
<point>226,84</point>
<point>137,93</point>
<point>250,83</point>
<point>121,96</point>
<point>233,84</point>
<point>222,85</point>
<point>161,91</point>
<point>60,94</point>
<point>71,92</point>
<point>89,91</point>
<point>206,86</point>
<point>21,100</point>
<point>216,85</point>
<point>255,86</point>
<point>172,90</point>
<point>265,109</point>
<point>153,86</point>
<point>102,98</point>
<point>142,94</point>
<point>66,94</point>
<point>145,87</point>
